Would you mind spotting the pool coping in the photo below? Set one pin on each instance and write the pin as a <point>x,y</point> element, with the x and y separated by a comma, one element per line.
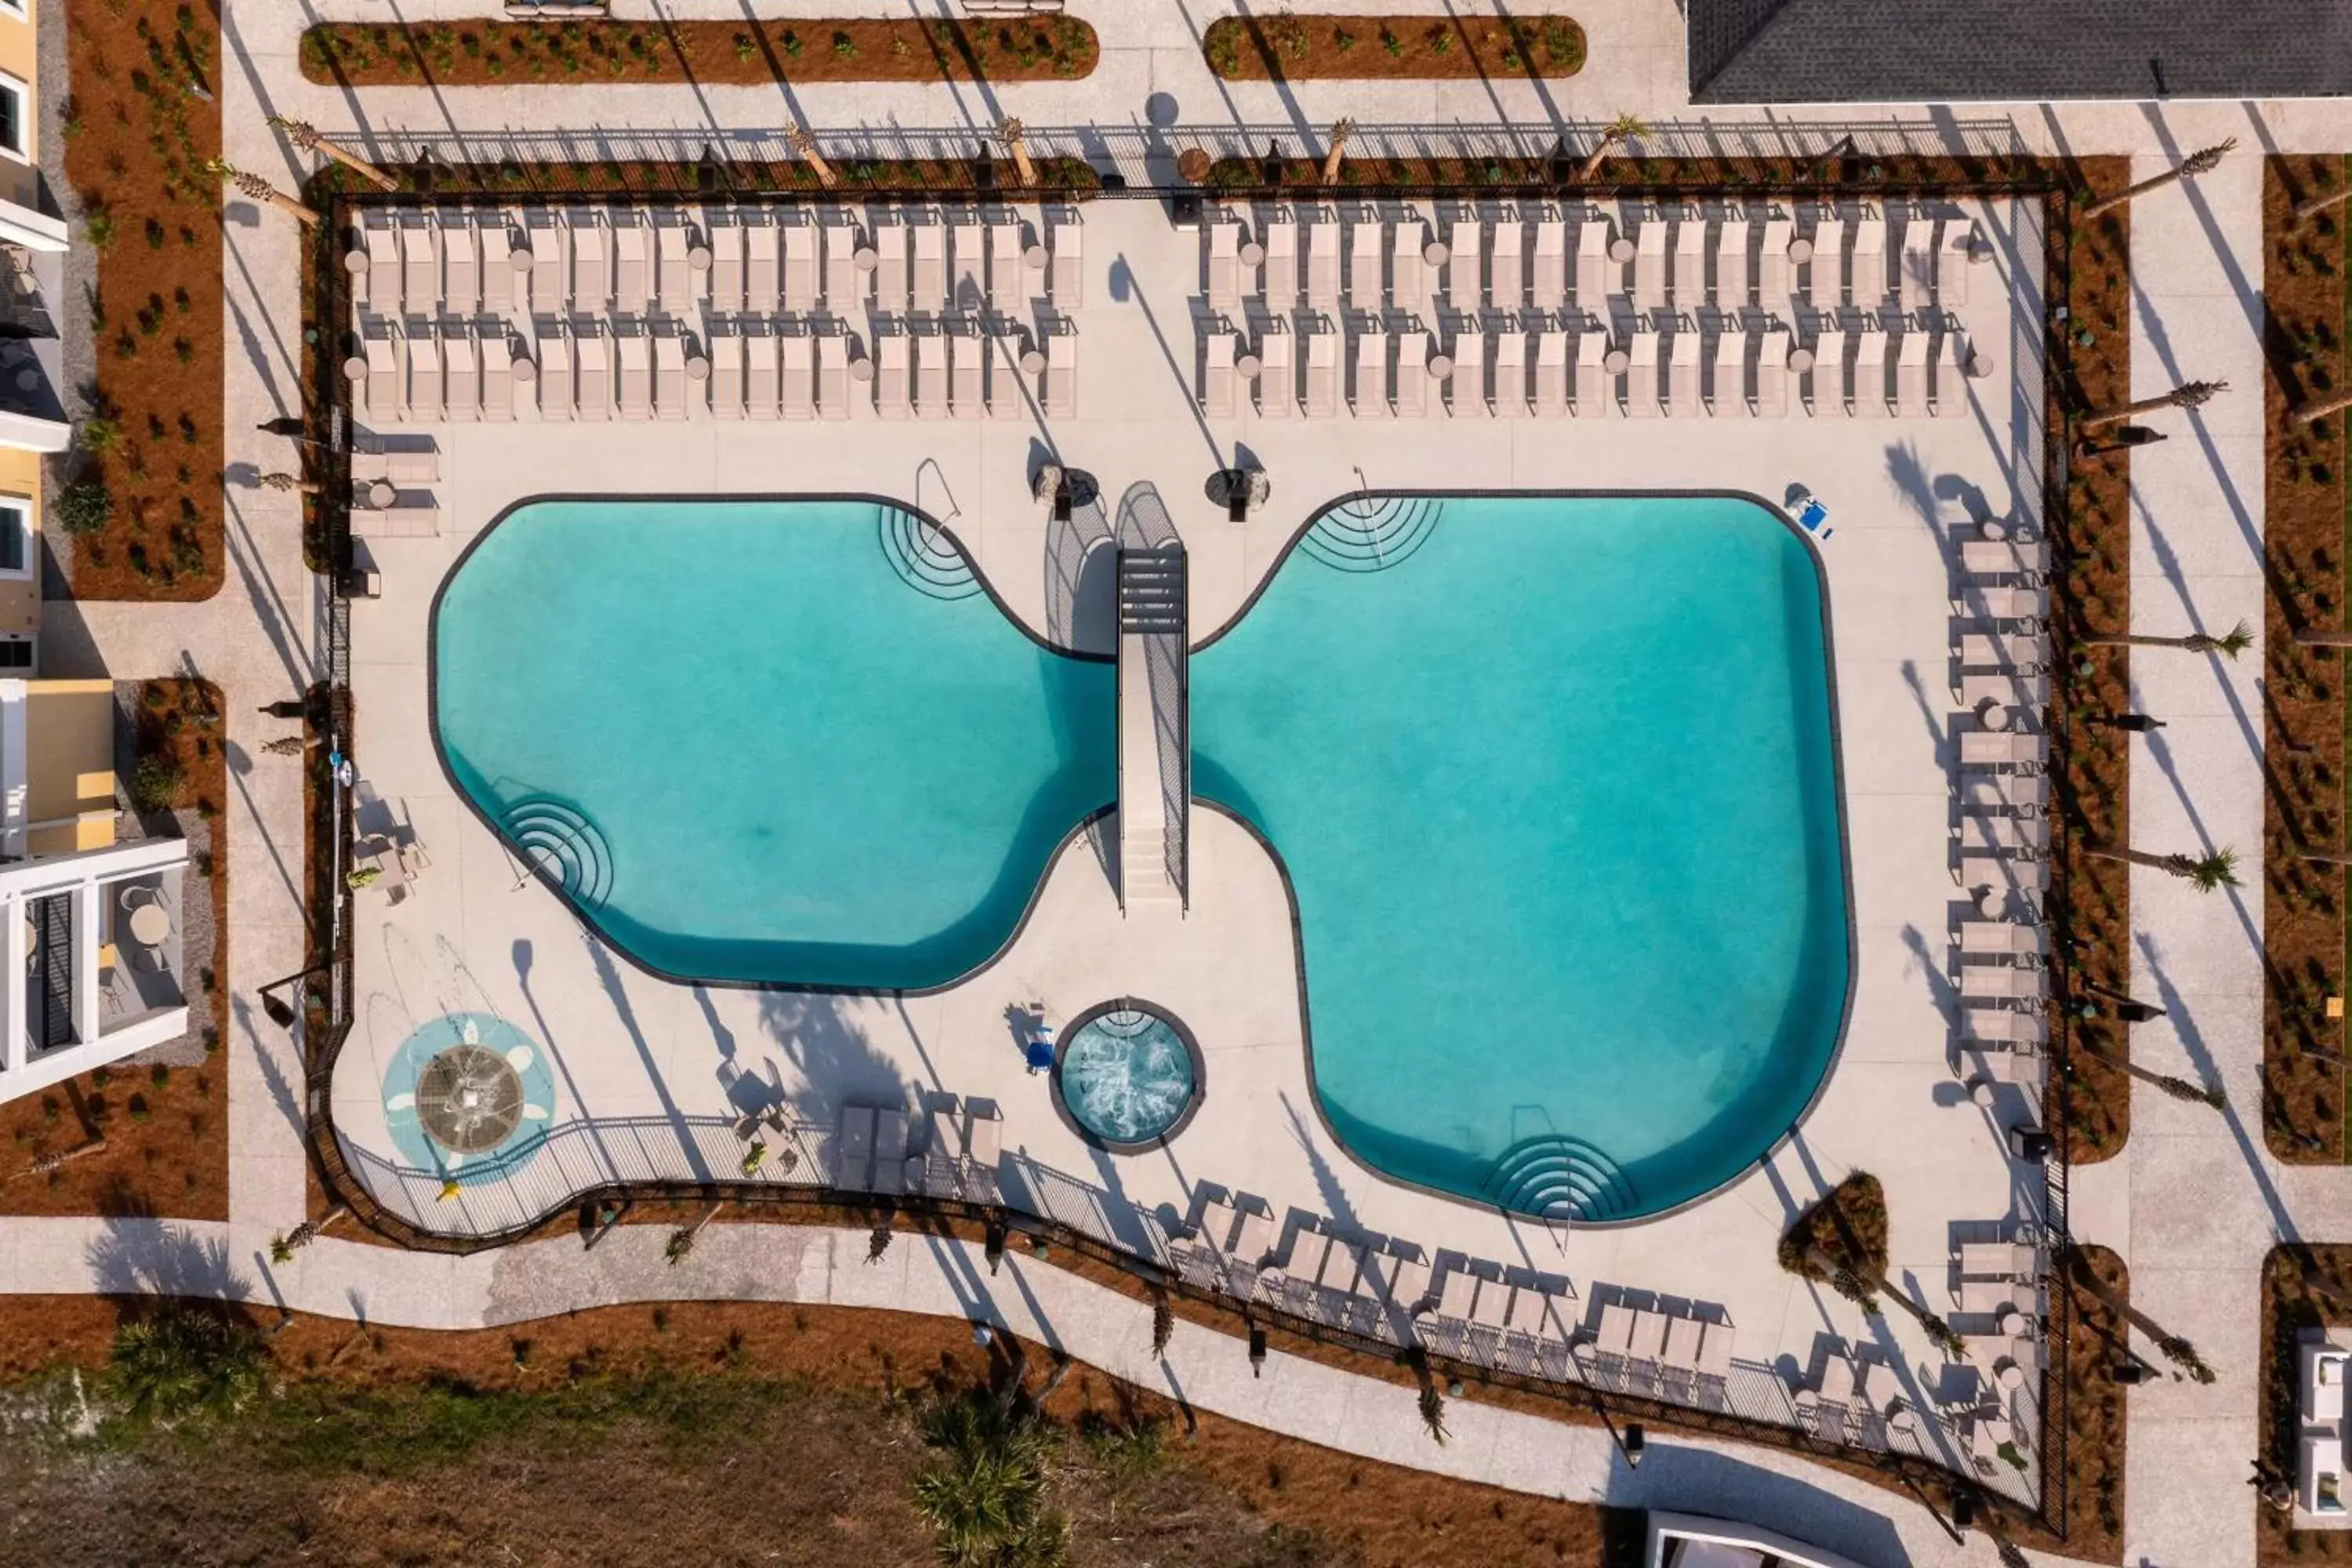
<point>1062,1037</point>
<point>587,916</point>
<point>1845,847</point>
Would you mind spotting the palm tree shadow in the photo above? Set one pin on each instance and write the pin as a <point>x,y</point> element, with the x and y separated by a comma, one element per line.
<point>1937,736</point>
<point>835,1063</point>
<point>2192,1041</point>
<point>137,1255</point>
<point>1327,1181</point>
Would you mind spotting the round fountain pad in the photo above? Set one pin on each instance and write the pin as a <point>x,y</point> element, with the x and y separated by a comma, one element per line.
<point>468,1099</point>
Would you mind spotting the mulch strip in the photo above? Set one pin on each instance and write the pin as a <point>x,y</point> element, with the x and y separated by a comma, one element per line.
<point>2294,1301</point>
<point>1284,47</point>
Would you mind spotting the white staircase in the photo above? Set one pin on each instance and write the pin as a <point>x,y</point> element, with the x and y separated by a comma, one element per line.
<point>1154,756</point>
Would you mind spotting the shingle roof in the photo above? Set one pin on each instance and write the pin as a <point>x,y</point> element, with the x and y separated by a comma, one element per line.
<point>1936,51</point>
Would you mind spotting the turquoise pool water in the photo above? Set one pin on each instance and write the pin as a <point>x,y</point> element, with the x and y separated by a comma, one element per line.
<point>1557,794</point>
<point>757,742</point>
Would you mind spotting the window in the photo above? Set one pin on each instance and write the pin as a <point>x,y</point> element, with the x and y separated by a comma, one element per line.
<point>17,652</point>
<point>16,536</point>
<point>16,114</point>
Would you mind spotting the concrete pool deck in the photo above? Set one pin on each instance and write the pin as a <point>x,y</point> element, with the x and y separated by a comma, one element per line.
<point>477,935</point>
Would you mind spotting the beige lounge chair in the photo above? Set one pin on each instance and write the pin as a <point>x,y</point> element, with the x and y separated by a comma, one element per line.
<point>843,293</point>
<point>1951,381</point>
<point>1994,651</point>
<point>2008,688</point>
<point>1596,391</point>
<point>1408,271</point>
<point>1999,748</point>
<point>2001,938</point>
<point>423,375</point>
<point>637,377</point>
<point>384,269</point>
<point>557,389</point>
<point>1955,247</point>
<point>673,278</point>
<point>1772,274</point>
<point>1825,277</point>
<point>968,290</point>
<point>461,269</point>
<point>1999,1260</point>
<point>1005,398</point>
<point>1597,277</point>
<point>890,268</point>
<point>1323,375</point>
<point>420,268</point>
<point>1551,374</point>
<point>1457,1292</point>
<point>1224,289</point>
<point>498,264</point>
<point>385,402</point>
<point>1510,370</point>
<point>1277,386</point>
<point>1407,1284</point>
<point>1870,375</point>
<point>1412,376</point>
<point>1772,373</point>
<point>1650,265</point>
<point>893,382</point>
<point>497,376</point>
<point>1828,377</point>
<point>1253,1239</point>
<point>930,289</point>
<point>761,269</point>
<point>1642,376</point>
<point>1062,376</point>
<point>854,1148</point>
<point>1068,278</point>
<point>551,263</point>
<point>1911,376</point>
<point>1506,278</point>
<point>1999,982</point>
<point>2001,1026</point>
<point>1466,388</point>
<point>1323,267</point>
<point>727,377</point>
<point>1281,264</point>
<point>800,378</point>
<point>2004,603</point>
<point>799,268</point>
<point>833,378</point>
<point>2005,833</point>
<point>1688,282</point>
<point>761,355</point>
<point>1371,400</point>
<point>1915,274</point>
<point>984,1140</point>
<point>1466,271</point>
<point>1729,397</point>
<point>669,377</point>
<point>932,378</point>
<point>889,1150</point>
<point>1682,376</point>
<point>1732,275</point>
<point>1367,290</point>
<point>1217,375</point>
<point>1008,278</point>
<point>967,377</point>
<point>632,274</point>
<point>1548,284</point>
<point>463,370</point>
<point>1869,288</point>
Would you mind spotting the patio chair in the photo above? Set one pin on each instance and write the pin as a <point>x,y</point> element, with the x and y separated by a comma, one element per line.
<point>1729,397</point>
<point>2001,939</point>
<point>854,1148</point>
<point>1323,266</point>
<point>2009,689</point>
<point>1062,376</point>
<point>1731,265</point>
<point>1066,280</point>
<point>1224,267</point>
<point>1253,1239</point>
<point>461,269</point>
<point>1915,272</point>
<point>800,378</point>
<point>1466,281</point>
<point>1597,277</point>
<point>1650,265</point>
<point>1955,249</point>
<point>1642,376</point>
<point>673,278</point>
<point>893,379</point>
<point>727,377</point>
<point>965,373</point>
<point>1993,650</point>
<point>550,265</point>
<point>1596,392</point>
<point>632,277</point>
<point>843,293</point>
<point>1506,279</point>
<point>1217,377</point>
<point>498,264</point>
<point>1548,282</point>
<point>637,377</point>
<point>760,269</point>
<point>1367,290</point>
<point>557,390</point>
<point>1457,1292</point>
<point>931,378</point>
<point>1999,1260</point>
<point>1870,375</point>
<point>423,348</point>
<point>1825,275</point>
<point>1408,271</point>
<point>1828,377</point>
<point>497,376</point>
<point>966,290</point>
<point>799,268</point>
<point>1687,283</point>
<point>1412,376</point>
<point>1869,289</point>
<point>669,377</point>
<point>1951,381</point>
<point>1551,374</point>
<point>833,378</point>
<point>384,268</point>
<point>1281,264</point>
<point>1682,376</point>
<point>2004,603</point>
<point>2004,871</point>
<point>463,370</point>
<point>762,356</point>
<point>1773,276</point>
<point>889,1150</point>
<point>1278,385</point>
<point>1995,748</point>
<point>1371,400</point>
<point>1510,373</point>
<point>2004,833</point>
<point>1005,398</point>
<point>1911,376</point>
<point>2000,1025</point>
<point>1323,375</point>
<point>890,268</point>
<point>384,381</point>
<point>1466,388</point>
<point>420,268</point>
<point>930,267</point>
<point>1008,277</point>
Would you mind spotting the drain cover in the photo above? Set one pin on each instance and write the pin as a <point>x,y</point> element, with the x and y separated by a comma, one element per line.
<point>469,1099</point>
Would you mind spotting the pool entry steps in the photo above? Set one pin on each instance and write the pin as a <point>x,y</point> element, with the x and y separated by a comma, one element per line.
<point>1154,741</point>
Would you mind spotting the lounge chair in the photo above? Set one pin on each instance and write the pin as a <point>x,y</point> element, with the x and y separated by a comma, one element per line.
<point>423,375</point>
<point>632,274</point>
<point>1277,387</point>
<point>558,392</point>
<point>890,268</point>
<point>1323,375</point>
<point>1978,831</point>
<point>1341,1267</point>
<point>1005,398</point>
<point>1870,375</point>
<point>761,355</point>
<point>985,1141</point>
<point>1951,381</point>
<point>2030,692</point>
<point>799,355</point>
<point>498,375</point>
<point>1214,1229</point>
<point>844,291</point>
<point>463,370</point>
<point>1772,274</point>
<point>1506,282</point>
<point>1731,265</point>
<point>932,378</point>
<point>384,269</point>
<point>1371,400</point>
<point>1999,982</point>
<point>1915,273</point>
<point>1597,277</point>
<point>1870,264</point>
<point>833,378</point>
<point>1068,276</point>
<point>1683,374</point>
<point>1998,938</point>
<point>2001,748</point>
<point>1367,290</point>
<point>1281,264</point>
<point>760,269</point>
<point>1596,394</point>
<point>969,290</point>
<point>1457,1292</point>
<point>889,1150</point>
<point>727,269</point>
<point>1224,290</point>
<point>673,278</point>
<point>1828,377</point>
<point>1825,279</point>
<point>1911,376</point>
<point>461,269</point>
<point>799,268</point>
<point>596,370</point>
<point>1650,265</point>
<point>2023,651</point>
<point>1408,272</point>
<point>1465,283</point>
<point>1323,266</point>
<point>1548,284</point>
<point>1510,373</point>
<point>1993,604</point>
<point>1466,388</point>
<point>2005,558</point>
<point>1217,377</point>
<point>1008,278</point>
<point>1772,373</point>
<point>420,268</point>
<point>1688,280</point>
<point>930,287</point>
<point>1253,1239</point>
<point>1999,1260</point>
<point>893,382</point>
<point>637,377</point>
<point>1729,397</point>
<point>1407,1285</point>
<point>385,403</point>
<point>498,264</point>
<point>1062,376</point>
<point>727,377</point>
<point>1956,247</point>
<point>854,1148</point>
<point>2001,1026</point>
<point>1412,375</point>
<point>966,374</point>
<point>1551,372</point>
<point>669,377</point>
<point>1642,376</point>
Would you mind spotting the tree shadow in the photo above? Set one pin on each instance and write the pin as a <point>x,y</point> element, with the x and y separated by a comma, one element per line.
<point>836,1064</point>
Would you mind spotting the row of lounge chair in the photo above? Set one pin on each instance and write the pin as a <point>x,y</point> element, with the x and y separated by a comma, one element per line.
<point>466,263</point>
<point>426,374</point>
<point>953,1150</point>
<point>1680,257</point>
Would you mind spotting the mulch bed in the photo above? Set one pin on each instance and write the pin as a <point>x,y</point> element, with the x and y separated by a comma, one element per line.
<point>734,53</point>
<point>1636,175</point>
<point>2292,1303</point>
<point>125,1140</point>
<point>2096,1412</point>
<point>2304,533</point>
<point>859,178</point>
<point>2090,590</point>
<point>138,138</point>
<point>1283,48</point>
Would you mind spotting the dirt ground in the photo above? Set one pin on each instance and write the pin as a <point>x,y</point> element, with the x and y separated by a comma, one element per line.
<point>139,141</point>
<point>796,1449</point>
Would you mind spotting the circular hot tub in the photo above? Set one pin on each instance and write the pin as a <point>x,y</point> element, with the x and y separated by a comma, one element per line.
<point>1128,1076</point>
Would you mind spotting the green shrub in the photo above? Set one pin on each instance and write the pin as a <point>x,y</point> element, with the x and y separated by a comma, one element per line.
<point>156,781</point>
<point>86,508</point>
<point>177,1363</point>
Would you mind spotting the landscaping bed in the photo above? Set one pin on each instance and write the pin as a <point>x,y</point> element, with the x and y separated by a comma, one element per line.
<point>477,53</point>
<point>2305,532</point>
<point>1068,179</point>
<point>2095,1420</point>
<point>2303,1288</point>
<point>137,139</point>
<point>1632,173</point>
<point>1286,48</point>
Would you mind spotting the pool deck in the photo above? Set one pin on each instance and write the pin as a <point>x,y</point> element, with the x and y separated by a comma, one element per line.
<point>476,935</point>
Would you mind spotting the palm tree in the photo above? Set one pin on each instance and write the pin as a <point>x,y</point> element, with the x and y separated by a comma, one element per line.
<point>283,1247</point>
<point>1614,134</point>
<point>2322,636</point>
<point>682,1239</point>
<point>2208,873</point>
<point>2177,1350</point>
<point>2200,163</point>
<point>305,136</point>
<point>2312,207</point>
<point>2180,1088</point>
<point>2228,644</point>
<point>1864,1289</point>
<point>1015,136</point>
<point>2187,394</point>
<point>177,1361</point>
<point>260,190</point>
<point>291,482</point>
<point>985,1496</point>
<point>1332,158</point>
<point>2312,413</point>
<point>804,143</point>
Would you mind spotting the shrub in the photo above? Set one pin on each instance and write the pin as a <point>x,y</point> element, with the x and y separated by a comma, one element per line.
<point>156,781</point>
<point>985,1495</point>
<point>87,508</point>
<point>99,230</point>
<point>178,1362</point>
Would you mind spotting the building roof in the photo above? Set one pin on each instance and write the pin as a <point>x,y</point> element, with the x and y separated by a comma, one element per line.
<point>1936,52</point>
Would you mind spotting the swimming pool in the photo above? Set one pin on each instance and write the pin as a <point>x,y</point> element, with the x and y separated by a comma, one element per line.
<point>764,741</point>
<point>1554,782</point>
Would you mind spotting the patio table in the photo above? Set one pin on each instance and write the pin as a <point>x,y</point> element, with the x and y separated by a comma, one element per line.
<point>698,259</point>
<point>1249,365</point>
<point>1441,366</point>
<point>697,368</point>
<point>861,369</point>
<point>1800,251</point>
<point>1800,360</point>
<point>149,926</point>
<point>1035,258</point>
<point>1621,251</point>
<point>1033,362</point>
<point>520,260</point>
<point>355,369</point>
<point>1616,361</point>
<point>526,371</point>
<point>1436,253</point>
<point>1252,254</point>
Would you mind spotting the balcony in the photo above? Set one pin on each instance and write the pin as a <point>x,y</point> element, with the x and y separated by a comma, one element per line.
<point>32,358</point>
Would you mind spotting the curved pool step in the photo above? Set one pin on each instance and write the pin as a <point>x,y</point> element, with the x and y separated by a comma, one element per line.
<point>1556,1178</point>
<point>923,557</point>
<point>1372,532</point>
<point>563,842</point>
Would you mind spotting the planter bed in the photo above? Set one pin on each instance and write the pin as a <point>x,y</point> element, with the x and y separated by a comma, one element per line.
<point>1283,48</point>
